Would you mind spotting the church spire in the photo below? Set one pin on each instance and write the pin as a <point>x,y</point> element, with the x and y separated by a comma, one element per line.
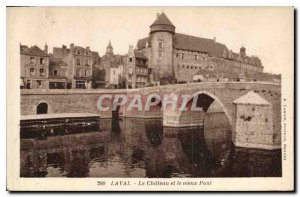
<point>109,49</point>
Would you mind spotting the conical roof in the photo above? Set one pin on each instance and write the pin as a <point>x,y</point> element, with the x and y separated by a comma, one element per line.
<point>251,98</point>
<point>162,19</point>
<point>109,45</point>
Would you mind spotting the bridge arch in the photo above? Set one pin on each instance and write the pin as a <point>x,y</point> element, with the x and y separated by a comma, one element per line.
<point>42,107</point>
<point>206,94</point>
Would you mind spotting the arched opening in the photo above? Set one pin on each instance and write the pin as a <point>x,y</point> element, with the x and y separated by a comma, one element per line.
<point>213,132</point>
<point>207,102</point>
<point>42,108</point>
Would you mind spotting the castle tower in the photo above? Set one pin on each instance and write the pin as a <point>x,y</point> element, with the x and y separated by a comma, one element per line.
<point>109,49</point>
<point>161,40</point>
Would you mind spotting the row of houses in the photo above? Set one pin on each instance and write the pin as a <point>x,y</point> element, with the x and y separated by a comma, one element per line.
<point>77,67</point>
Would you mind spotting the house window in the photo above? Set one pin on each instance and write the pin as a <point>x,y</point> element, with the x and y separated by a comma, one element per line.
<point>130,59</point>
<point>78,52</point>
<point>192,67</point>
<point>31,70</point>
<point>42,61</point>
<point>182,66</point>
<point>86,73</point>
<point>78,61</point>
<point>77,72</point>
<point>160,54</point>
<point>196,57</point>
<point>28,84</point>
<point>32,60</point>
<point>177,54</point>
<point>182,55</point>
<point>86,62</point>
<point>39,84</point>
<point>160,44</point>
<point>42,73</point>
<point>55,72</point>
<point>80,84</point>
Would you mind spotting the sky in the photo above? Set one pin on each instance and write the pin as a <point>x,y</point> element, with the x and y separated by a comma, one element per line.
<point>264,32</point>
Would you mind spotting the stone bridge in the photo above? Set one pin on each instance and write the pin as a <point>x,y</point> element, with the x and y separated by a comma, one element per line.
<point>255,123</point>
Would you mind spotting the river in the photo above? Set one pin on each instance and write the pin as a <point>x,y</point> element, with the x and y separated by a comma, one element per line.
<point>144,148</point>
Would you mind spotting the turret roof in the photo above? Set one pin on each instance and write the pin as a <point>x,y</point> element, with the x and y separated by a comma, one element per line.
<point>162,19</point>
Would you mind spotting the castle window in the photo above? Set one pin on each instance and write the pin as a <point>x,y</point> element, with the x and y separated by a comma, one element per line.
<point>78,61</point>
<point>160,54</point>
<point>160,44</point>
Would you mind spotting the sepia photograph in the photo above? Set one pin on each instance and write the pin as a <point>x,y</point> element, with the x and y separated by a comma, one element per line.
<point>150,98</point>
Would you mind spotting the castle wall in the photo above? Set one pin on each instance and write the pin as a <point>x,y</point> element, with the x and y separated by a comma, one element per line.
<point>162,64</point>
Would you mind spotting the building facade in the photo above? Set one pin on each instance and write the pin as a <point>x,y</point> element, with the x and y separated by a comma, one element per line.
<point>113,65</point>
<point>175,57</point>
<point>136,69</point>
<point>34,67</point>
<point>80,65</point>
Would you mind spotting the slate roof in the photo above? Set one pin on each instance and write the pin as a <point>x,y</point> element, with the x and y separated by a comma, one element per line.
<point>57,61</point>
<point>251,98</point>
<point>139,55</point>
<point>162,19</point>
<point>192,43</point>
<point>34,51</point>
<point>142,43</point>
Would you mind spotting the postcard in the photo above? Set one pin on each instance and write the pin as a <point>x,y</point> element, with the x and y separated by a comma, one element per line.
<point>150,98</point>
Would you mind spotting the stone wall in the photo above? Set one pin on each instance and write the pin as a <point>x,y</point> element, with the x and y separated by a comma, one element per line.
<point>68,101</point>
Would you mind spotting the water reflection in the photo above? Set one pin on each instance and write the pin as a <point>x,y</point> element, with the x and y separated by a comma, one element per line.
<point>144,148</point>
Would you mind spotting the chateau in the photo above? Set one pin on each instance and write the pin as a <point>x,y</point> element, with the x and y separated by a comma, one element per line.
<point>175,57</point>
<point>164,57</point>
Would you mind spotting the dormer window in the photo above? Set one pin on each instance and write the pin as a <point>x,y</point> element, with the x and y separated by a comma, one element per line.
<point>78,52</point>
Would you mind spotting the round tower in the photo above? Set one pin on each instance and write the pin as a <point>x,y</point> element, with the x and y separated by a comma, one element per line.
<point>161,38</point>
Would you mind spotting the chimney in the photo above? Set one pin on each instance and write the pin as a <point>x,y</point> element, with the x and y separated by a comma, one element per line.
<point>243,51</point>
<point>46,48</point>
<point>157,16</point>
<point>72,47</point>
